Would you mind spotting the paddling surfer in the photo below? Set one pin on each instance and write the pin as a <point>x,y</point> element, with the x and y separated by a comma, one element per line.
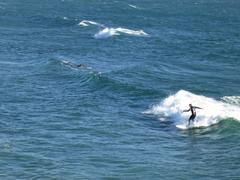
<point>80,65</point>
<point>193,111</point>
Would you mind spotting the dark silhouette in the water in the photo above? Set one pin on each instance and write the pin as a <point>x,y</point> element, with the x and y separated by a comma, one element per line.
<point>74,65</point>
<point>80,65</point>
<point>193,111</point>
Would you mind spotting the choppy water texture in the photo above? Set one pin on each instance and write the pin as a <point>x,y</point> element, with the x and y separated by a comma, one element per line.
<point>95,89</point>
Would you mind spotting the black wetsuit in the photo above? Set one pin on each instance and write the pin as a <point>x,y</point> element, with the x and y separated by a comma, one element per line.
<point>193,111</point>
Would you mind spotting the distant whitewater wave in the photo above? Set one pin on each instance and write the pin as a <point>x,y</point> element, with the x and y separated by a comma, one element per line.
<point>87,23</point>
<point>213,111</point>
<point>133,6</point>
<point>108,32</point>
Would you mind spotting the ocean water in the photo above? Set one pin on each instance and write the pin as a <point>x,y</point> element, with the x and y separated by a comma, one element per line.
<point>94,89</point>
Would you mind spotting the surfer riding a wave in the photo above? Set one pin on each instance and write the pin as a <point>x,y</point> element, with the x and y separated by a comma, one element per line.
<point>193,111</point>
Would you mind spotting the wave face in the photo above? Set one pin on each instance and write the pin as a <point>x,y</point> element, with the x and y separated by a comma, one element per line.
<point>213,111</point>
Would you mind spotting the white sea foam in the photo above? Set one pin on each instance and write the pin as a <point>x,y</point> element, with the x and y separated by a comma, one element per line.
<point>87,23</point>
<point>105,33</point>
<point>232,99</point>
<point>213,111</point>
<point>133,6</point>
<point>108,32</point>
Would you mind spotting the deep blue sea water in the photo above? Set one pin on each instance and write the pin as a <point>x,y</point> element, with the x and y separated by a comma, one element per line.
<point>116,115</point>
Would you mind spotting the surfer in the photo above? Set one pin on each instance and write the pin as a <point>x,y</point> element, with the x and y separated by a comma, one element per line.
<point>193,111</point>
<point>80,65</point>
<point>74,65</point>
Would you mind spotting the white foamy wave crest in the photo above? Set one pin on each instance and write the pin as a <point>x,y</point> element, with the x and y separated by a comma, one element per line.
<point>105,33</point>
<point>108,32</point>
<point>211,113</point>
<point>232,99</point>
<point>87,23</point>
<point>133,6</point>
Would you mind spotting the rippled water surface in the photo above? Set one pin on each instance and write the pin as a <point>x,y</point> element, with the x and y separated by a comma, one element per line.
<point>95,89</point>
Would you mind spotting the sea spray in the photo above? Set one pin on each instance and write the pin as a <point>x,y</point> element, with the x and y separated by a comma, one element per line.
<point>211,113</point>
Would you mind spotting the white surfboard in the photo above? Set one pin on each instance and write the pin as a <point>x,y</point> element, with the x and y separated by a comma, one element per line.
<point>184,126</point>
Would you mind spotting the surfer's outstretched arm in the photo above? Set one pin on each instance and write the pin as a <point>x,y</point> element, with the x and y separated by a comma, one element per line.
<point>186,110</point>
<point>197,107</point>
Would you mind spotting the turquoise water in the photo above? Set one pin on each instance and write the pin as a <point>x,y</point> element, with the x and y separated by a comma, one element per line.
<point>117,115</point>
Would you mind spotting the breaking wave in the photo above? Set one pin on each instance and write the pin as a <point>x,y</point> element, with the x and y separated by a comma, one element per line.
<point>86,23</point>
<point>133,6</point>
<point>211,113</point>
<point>232,99</point>
<point>106,32</point>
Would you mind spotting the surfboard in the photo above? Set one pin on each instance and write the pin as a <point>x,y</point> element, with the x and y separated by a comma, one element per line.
<point>184,126</point>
